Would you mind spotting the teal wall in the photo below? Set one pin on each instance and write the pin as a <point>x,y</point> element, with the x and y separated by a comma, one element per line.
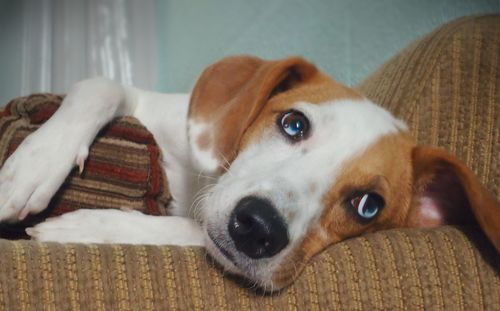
<point>346,38</point>
<point>10,49</point>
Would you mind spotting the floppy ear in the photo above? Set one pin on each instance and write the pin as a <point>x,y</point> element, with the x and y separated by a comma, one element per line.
<point>447,192</point>
<point>228,97</point>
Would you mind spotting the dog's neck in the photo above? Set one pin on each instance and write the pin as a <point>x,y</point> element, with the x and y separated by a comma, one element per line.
<point>167,121</point>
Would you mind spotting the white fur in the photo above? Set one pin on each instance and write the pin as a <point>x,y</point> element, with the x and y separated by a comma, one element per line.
<point>117,226</point>
<point>31,176</point>
<point>34,172</point>
<point>204,160</point>
<point>284,173</point>
<point>165,116</point>
<point>294,177</point>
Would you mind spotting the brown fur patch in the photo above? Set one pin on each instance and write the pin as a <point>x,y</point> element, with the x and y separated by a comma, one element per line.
<point>401,172</point>
<point>242,97</point>
<point>456,191</point>
<point>204,141</point>
<point>239,95</point>
<point>313,243</point>
<point>322,91</point>
<point>384,167</point>
<point>231,93</point>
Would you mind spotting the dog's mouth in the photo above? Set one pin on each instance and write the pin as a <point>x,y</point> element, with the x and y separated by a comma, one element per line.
<point>243,244</point>
<point>221,249</point>
<point>246,270</point>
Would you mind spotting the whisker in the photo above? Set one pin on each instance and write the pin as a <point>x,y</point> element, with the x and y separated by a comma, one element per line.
<point>200,174</point>
<point>194,210</point>
<point>227,169</point>
<point>203,193</point>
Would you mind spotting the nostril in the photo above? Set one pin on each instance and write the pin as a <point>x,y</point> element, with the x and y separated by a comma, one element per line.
<point>257,229</point>
<point>243,224</point>
<point>264,243</point>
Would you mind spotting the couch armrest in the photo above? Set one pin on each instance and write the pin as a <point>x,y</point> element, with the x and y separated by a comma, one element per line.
<point>446,86</point>
<point>397,269</point>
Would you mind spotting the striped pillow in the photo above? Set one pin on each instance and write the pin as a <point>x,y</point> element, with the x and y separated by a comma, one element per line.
<point>123,168</point>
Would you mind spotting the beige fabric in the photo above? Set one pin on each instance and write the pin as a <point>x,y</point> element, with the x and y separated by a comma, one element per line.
<point>447,87</point>
<point>401,269</point>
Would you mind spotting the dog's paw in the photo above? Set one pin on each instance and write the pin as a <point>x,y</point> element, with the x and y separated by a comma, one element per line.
<point>117,226</point>
<point>35,171</point>
<point>81,226</point>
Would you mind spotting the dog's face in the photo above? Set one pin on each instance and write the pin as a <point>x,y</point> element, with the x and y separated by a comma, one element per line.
<point>305,162</point>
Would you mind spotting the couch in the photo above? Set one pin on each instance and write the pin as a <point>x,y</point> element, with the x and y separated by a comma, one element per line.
<point>446,85</point>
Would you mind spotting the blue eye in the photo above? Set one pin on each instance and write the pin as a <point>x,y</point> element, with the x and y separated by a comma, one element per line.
<point>368,205</point>
<point>294,124</point>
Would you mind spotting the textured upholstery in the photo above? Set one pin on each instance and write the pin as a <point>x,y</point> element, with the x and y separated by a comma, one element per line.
<point>399,269</point>
<point>446,86</point>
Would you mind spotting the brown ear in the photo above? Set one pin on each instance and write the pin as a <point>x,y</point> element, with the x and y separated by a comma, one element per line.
<point>447,192</point>
<point>229,96</point>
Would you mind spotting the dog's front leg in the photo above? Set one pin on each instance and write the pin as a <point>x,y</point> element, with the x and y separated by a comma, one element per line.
<point>35,171</point>
<point>118,226</point>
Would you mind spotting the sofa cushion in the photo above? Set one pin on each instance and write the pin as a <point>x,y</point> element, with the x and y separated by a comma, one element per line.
<point>122,170</point>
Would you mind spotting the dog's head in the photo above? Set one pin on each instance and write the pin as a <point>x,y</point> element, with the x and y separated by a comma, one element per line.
<point>305,162</point>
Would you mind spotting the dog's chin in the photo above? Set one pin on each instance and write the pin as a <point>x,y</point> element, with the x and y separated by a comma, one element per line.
<point>221,254</point>
<point>250,271</point>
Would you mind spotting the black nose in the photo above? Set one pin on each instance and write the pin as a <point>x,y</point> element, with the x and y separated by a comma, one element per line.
<point>257,228</point>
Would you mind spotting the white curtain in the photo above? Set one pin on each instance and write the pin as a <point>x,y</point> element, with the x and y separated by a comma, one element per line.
<point>65,41</point>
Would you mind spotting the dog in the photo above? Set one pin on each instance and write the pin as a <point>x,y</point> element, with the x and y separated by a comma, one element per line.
<point>268,163</point>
